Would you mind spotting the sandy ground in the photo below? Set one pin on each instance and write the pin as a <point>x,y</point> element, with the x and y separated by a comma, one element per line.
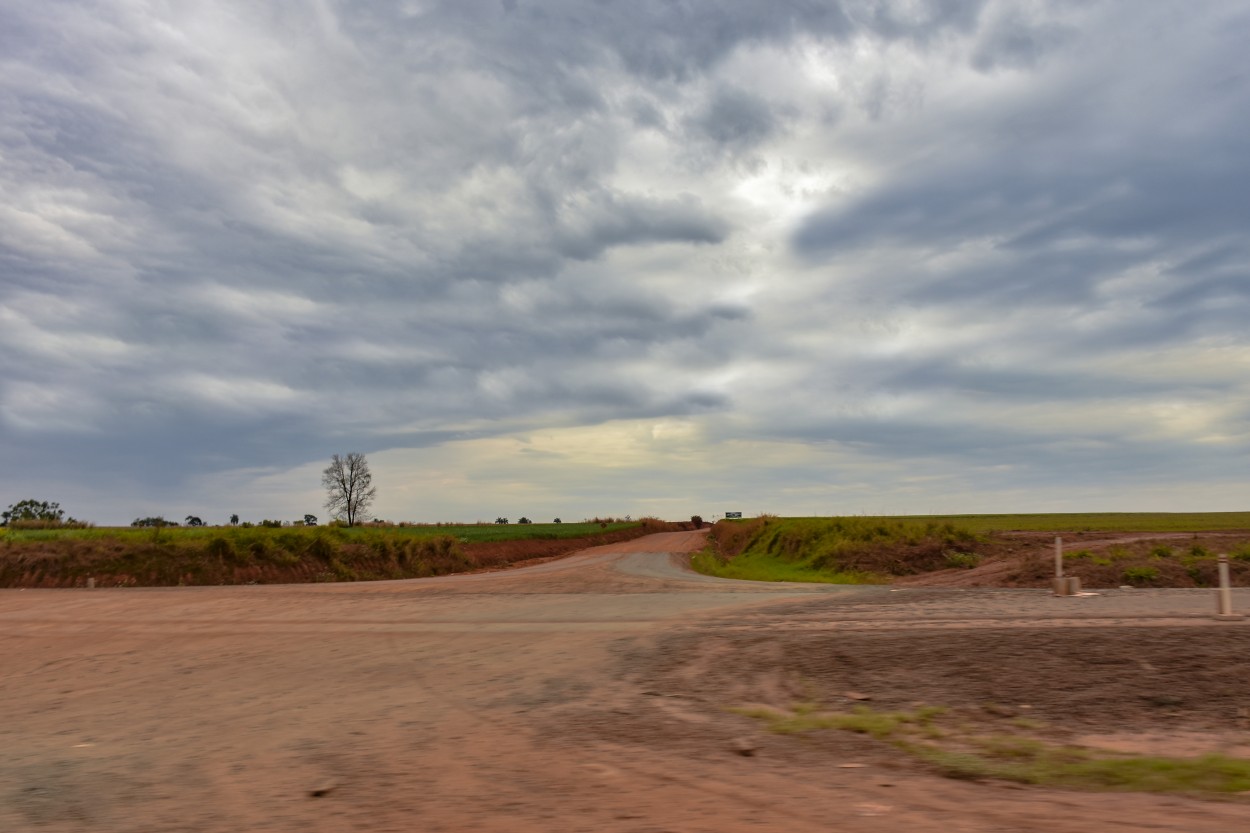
<point>582,694</point>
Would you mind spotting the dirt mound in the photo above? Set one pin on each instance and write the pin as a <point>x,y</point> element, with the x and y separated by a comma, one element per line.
<point>1091,679</point>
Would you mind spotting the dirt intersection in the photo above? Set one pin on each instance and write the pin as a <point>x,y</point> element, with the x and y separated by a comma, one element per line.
<point>582,694</point>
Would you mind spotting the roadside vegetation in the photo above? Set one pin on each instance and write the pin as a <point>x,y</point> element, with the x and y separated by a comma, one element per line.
<point>198,555</point>
<point>1017,548</point>
<point>850,550</point>
<point>960,745</point>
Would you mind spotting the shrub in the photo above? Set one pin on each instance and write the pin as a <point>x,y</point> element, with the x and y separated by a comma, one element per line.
<point>1162,551</point>
<point>1141,575</point>
<point>381,547</point>
<point>322,548</point>
<point>223,549</point>
<point>966,560</point>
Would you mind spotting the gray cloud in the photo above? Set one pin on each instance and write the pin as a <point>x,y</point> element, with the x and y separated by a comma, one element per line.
<point>235,241</point>
<point>737,118</point>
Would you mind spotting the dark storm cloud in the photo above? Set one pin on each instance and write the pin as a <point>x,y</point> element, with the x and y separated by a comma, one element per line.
<point>738,118</point>
<point>1015,42</point>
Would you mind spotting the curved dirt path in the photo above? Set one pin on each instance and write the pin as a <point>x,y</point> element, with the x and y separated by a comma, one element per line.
<point>511,701</point>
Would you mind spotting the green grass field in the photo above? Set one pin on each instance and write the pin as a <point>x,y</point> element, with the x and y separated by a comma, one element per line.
<point>1095,522</point>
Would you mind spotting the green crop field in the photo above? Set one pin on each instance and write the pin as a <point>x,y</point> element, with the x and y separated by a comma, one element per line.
<point>1095,521</point>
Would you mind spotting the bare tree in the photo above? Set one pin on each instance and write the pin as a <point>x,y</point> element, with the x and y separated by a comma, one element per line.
<point>349,492</point>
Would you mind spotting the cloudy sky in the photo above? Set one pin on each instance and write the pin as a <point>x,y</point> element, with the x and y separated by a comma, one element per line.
<point>650,257</point>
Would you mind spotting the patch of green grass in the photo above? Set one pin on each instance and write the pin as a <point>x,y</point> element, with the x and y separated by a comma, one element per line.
<point>1140,575</point>
<point>769,569</point>
<point>957,750</point>
<point>964,560</point>
<point>862,720</point>
<point>1034,762</point>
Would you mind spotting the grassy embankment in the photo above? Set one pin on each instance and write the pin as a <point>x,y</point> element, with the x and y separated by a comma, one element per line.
<point>858,550</point>
<point>125,556</point>
<point>852,550</point>
<point>1017,750</point>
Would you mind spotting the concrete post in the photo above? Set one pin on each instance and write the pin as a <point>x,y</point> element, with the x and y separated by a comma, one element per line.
<point>1224,595</point>
<point>1061,585</point>
<point>91,583</point>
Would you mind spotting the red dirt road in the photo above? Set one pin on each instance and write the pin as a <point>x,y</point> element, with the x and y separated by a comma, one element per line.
<point>581,694</point>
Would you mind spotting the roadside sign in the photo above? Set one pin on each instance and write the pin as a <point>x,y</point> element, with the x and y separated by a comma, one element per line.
<point>733,514</point>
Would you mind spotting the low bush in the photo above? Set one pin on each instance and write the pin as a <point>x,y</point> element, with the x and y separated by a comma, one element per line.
<point>1141,575</point>
<point>963,560</point>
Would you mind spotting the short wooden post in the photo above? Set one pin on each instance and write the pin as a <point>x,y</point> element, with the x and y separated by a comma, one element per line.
<point>91,583</point>
<point>1224,594</point>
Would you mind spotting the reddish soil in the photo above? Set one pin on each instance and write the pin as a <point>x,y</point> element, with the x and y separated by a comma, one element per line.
<point>586,693</point>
